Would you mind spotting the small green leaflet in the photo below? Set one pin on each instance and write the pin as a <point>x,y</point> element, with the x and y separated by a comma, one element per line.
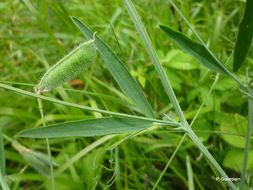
<point>119,71</point>
<point>87,128</point>
<point>244,37</point>
<point>196,50</point>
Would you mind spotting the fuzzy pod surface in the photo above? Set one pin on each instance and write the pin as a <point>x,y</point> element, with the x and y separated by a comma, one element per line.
<point>69,67</point>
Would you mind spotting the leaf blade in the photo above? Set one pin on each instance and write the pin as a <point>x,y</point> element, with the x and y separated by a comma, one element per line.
<point>119,71</point>
<point>87,128</point>
<point>244,37</point>
<point>196,50</point>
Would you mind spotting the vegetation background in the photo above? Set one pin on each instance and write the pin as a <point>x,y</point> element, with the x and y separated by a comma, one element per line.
<point>35,34</point>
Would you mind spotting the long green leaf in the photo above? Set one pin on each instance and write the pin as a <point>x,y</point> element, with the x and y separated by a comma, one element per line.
<point>119,71</point>
<point>87,128</point>
<point>244,37</point>
<point>198,51</point>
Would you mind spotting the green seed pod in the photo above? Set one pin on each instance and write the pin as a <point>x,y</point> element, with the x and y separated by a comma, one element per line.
<point>68,67</point>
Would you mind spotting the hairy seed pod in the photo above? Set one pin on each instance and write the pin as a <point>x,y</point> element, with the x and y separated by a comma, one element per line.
<point>69,66</point>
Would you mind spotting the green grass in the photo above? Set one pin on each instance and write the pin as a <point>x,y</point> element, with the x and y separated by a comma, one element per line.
<point>36,34</point>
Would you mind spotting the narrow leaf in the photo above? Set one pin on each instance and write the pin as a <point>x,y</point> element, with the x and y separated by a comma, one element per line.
<point>3,183</point>
<point>196,50</point>
<point>189,173</point>
<point>244,37</point>
<point>119,71</point>
<point>87,128</point>
<point>2,154</point>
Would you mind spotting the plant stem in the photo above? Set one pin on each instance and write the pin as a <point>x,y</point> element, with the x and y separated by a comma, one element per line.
<point>155,59</point>
<point>17,90</point>
<point>207,154</point>
<point>168,88</point>
<point>189,173</point>
<point>48,145</point>
<point>184,136</point>
<point>247,143</point>
<point>168,163</point>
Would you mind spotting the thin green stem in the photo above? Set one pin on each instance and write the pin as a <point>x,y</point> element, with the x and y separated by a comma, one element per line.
<point>207,154</point>
<point>183,138</point>
<point>17,83</point>
<point>34,95</point>
<point>155,59</point>
<point>168,88</point>
<point>48,145</point>
<point>243,87</point>
<point>83,152</point>
<point>168,163</point>
<point>189,173</point>
<point>247,143</point>
<point>204,102</point>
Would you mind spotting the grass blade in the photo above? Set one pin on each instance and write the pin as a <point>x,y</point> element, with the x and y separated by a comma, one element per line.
<point>189,173</point>
<point>3,183</point>
<point>2,154</point>
<point>34,158</point>
<point>244,37</point>
<point>119,71</point>
<point>87,128</point>
<point>198,51</point>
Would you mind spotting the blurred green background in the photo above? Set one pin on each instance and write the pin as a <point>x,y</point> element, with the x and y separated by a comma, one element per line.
<point>34,34</point>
